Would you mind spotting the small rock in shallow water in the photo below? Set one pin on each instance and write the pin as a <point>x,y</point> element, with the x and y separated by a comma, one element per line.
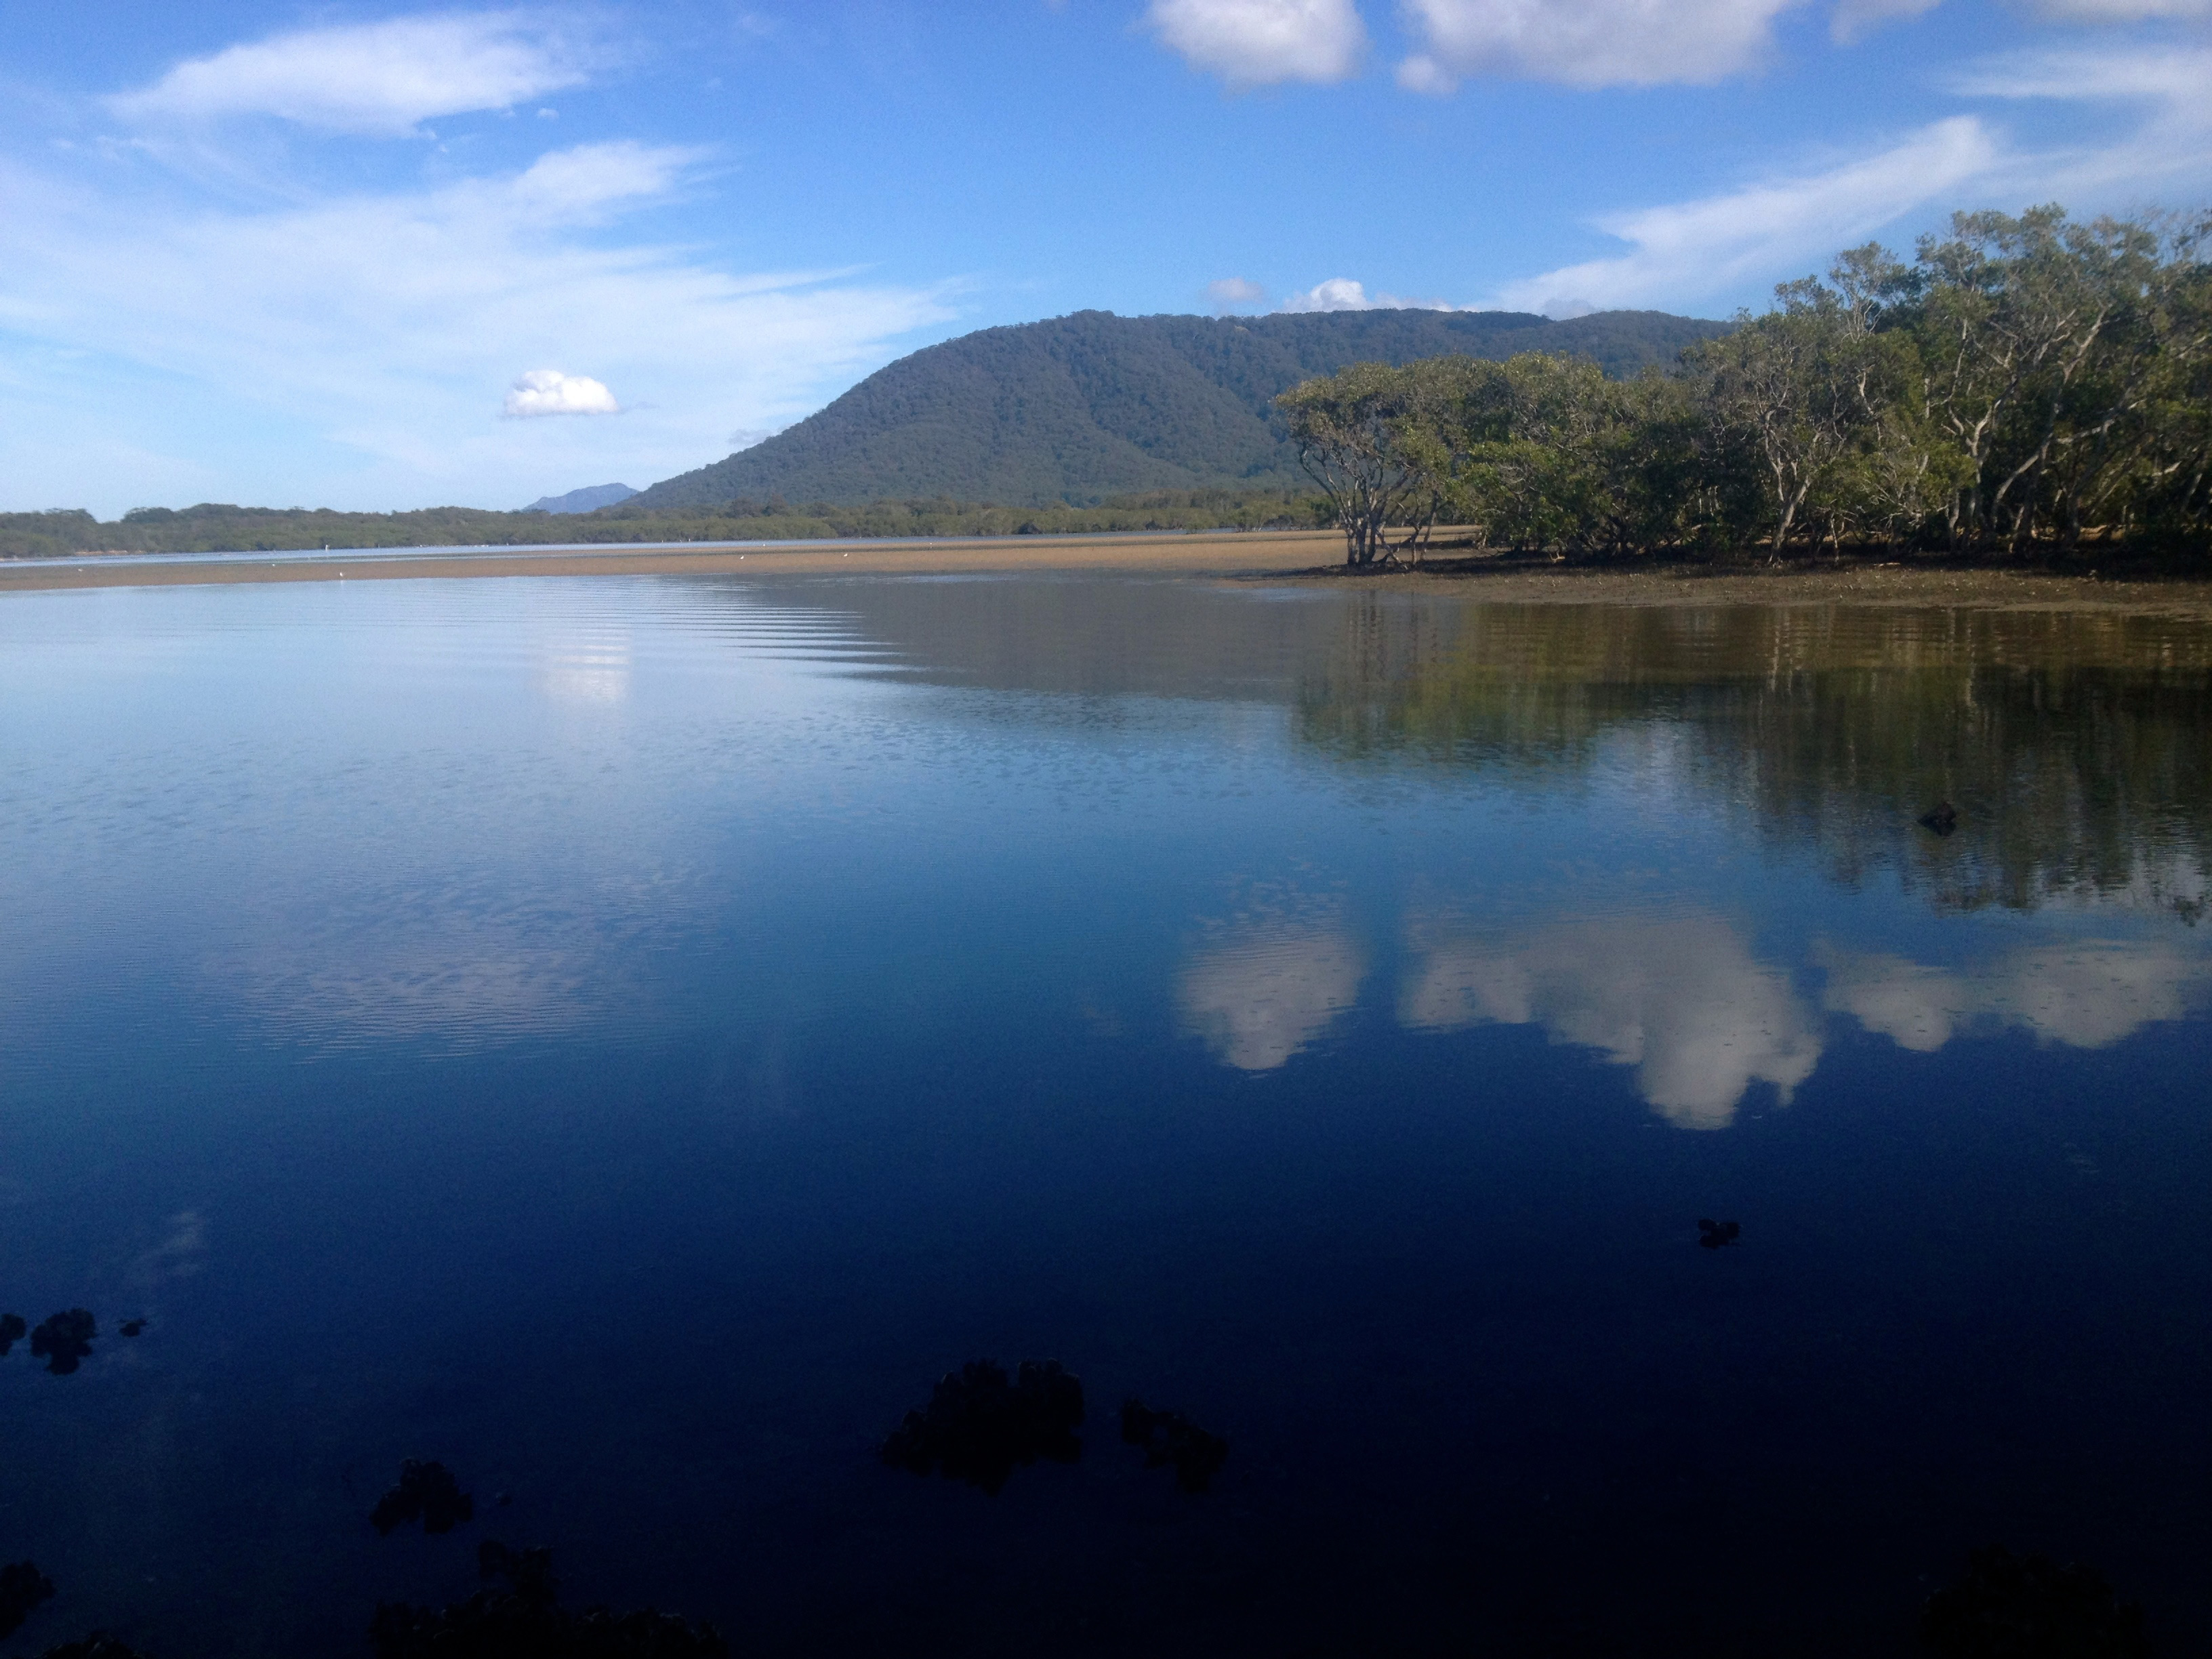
<point>22,1586</point>
<point>131,1327</point>
<point>978,1426</point>
<point>63,1339</point>
<point>1942,818</point>
<point>2012,1607</point>
<point>1171,1437</point>
<point>11,1332</point>
<point>98,1645</point>
<point>1714,1234</point>
<point>521,1620</point>
<point>427,1492</point>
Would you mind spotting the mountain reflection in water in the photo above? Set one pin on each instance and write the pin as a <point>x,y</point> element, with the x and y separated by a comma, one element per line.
<point>620,1039</point>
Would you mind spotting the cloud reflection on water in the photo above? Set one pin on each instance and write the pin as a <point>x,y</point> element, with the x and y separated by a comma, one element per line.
<point>2085,995</point>
<point>1682,998</point>
<point>1268,987</point>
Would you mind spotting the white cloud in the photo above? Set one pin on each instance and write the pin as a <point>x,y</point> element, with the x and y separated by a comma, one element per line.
<point>1589,43</point>
<point>1257,43</point>
<point>1687,250</point>
<point>1337,294</point>
<point>1680,999</point>
<point>2158,73</point>
<point>2168,146</point>
<point>347,341</point>
<point>2086,996</point>
<point>549,392</point>
<point>1232,293</point>
<point>1853,19</point>
<point>2115,11</point>
<point>370,78</point>
<point>1343,294</point>
<point>1268,988</point>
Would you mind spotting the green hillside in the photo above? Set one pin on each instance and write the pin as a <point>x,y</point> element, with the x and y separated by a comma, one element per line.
<point>1078,408</point>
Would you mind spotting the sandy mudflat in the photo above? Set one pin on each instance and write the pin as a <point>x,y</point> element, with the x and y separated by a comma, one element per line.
<point>1303,556</point>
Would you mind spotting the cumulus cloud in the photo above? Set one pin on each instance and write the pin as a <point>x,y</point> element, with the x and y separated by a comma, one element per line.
<point>370,78</point>
<point>1235,293</point>
<point>1680,999</point>
<point>1588,43</point>
<point>2085,996</point>
<point>1259,43</point>
<point>1268,987</point>
<point>1685,251</point>
<point>549,392</point>
<point>1342,294</point>
<point>1337,294</point>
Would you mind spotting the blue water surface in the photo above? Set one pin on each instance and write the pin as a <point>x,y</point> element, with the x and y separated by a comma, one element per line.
<point>626,1038</point>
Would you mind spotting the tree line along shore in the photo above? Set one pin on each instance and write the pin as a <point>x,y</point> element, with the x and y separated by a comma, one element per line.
<point>2024,386</point>
<point>2026,389</point>
<point>213,528</point>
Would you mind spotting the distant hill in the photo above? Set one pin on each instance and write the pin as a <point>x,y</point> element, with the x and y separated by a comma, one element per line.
<point>589,499</point>
<point>1082,407</point>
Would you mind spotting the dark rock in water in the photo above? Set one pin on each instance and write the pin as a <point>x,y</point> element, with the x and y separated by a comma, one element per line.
<point>427,1492</point>
<point>1714,1234</point>
<point>2014,1606</point>
<point>98,1645</point>
<point>529,1573</point>
<point>131,1327</point>
<point>11,1332</point>
<point>521,1622</point>
<point>978,1426</point>
<point>22,1586</point>
<point>1171,1437</point>
<point>1942,818</point>
<point>63,1340</point>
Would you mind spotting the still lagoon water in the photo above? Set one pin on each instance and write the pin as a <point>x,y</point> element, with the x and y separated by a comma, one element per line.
<point>626,1038</point>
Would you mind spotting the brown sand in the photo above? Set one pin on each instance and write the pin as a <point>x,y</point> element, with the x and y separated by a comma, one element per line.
<point>1304,555</point>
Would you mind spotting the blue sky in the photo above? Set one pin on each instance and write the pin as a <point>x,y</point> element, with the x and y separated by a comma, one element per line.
<point>374,257</point>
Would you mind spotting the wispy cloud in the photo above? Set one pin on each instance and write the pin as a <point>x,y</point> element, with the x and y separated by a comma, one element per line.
<point>2115,11</point>
<point>1235,293</point>
<point>380,79</point>
<point>1852,20</point>
<point>389,324</point>
<point>1260,43</point>
<point>1687,250</point>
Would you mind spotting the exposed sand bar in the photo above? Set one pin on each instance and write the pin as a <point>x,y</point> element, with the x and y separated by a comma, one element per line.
<point>1228,553</point>
<point>1311,556</point>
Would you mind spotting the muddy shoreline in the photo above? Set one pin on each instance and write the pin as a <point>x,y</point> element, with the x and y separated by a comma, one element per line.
<point>1302,556</point>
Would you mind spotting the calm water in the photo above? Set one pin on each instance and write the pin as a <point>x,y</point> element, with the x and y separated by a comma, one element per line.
<point>626,1038</point>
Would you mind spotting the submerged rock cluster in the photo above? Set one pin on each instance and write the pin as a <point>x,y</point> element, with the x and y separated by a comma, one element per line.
<point>979,1424</point>
<point>1716,1235</point>
<point>11,1332</point>
<point>1169,1437</point>
<point>426,1492</point>
<point>22,1586</point>
<point>63,1340</point>
<point>2016,1607</point>
<point>517,1617</point>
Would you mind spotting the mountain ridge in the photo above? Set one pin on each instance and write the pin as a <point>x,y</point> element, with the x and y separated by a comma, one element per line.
<point>1073,408</point>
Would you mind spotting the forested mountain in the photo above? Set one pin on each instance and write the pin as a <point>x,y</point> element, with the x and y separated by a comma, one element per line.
<point>1081,407</point>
